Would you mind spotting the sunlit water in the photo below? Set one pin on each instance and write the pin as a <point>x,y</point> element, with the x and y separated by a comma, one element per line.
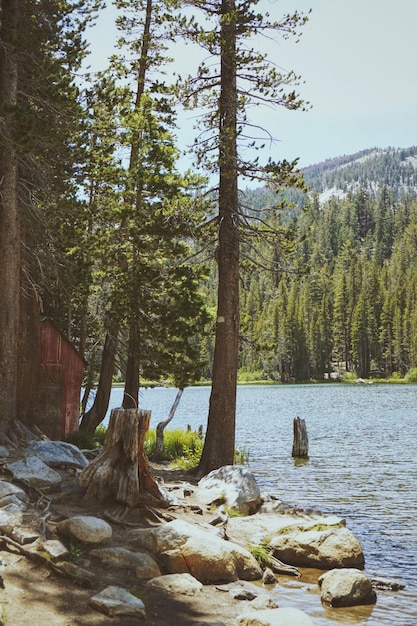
<point>362,466</point>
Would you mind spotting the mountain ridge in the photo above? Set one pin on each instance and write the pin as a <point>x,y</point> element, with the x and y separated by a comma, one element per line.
<point>370,169</point>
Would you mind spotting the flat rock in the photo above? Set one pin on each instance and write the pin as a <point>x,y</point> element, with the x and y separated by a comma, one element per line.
<point>328,548</point>
<point>85,529</point>
<point>346,587</point>
<point>117,601</point>
<point>54,548</point>
<point>177,584</point>
<point>269,522</point>
<point>274,617</point>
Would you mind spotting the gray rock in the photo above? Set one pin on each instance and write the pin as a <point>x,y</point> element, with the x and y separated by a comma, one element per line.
<point>117,601</point>
<point>12,494</point>
<point>331,547</point>
<point>262,603</point>
<point>11,516</point>
<point>346,587</point>
<point>233,485</point>
<point>184,547</point>
<point>57,454</point>
<point>177,584</point>
<point>144,565</point>
<point>35,472</point>
<point>54,548</point>
<point>268,577</point>
<point>274,617</point>
<point>85,529</point>
<point>267,523</point>
<point>4,452</point>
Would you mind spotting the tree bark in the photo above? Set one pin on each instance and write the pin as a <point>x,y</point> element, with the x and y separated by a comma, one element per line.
<point>131,391</point>
<point>158,454</point>
<point>96,414</point>
<point>122,471</point>
<point>300,443</point>
<point>9,218</point>
<point>219,445</point>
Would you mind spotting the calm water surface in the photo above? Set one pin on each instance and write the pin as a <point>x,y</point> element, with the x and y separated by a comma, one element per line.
<point>362,466</point>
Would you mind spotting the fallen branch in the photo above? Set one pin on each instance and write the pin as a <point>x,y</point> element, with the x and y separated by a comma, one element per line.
<point>67,569</point>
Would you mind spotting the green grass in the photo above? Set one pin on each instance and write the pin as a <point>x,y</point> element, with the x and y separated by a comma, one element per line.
<point>182,448</point>
<point>261,554</point>
<point>87,441</point>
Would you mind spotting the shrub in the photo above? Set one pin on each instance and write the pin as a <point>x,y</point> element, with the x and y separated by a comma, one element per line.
<point>184,448</point>
<point>411,375</point>
<point>87,441</point>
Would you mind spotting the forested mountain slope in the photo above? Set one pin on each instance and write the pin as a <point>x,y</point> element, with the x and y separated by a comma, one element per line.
<point>369,169</point>
<point>346,298</point>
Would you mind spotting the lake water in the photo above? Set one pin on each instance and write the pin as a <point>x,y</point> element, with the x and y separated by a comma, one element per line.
<point>362,466</point>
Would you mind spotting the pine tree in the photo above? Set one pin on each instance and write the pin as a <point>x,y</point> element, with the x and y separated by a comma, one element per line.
<point>238,77</point>
<point>42,48</point>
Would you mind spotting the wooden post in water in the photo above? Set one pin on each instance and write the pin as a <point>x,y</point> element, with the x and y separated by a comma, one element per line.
<point>300,443</point>
<point>122,472</point>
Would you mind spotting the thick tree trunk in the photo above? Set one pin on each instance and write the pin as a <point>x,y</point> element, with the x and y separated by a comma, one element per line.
<point>29,356</point>
<point>219,445</point>
<point>131,392</point>
<point>97,413</point>
<point>158,454</point>
<point>122,471</point>
<point>9,219</point>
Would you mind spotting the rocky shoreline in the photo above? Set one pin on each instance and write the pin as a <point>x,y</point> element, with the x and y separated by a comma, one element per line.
<point>214,556</point>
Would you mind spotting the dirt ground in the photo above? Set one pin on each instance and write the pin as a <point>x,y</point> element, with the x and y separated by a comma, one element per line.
<point>33,594</point>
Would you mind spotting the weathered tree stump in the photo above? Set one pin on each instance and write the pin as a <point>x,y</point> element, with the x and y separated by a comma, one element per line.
<point>122,471</point>
<point>300,443</point>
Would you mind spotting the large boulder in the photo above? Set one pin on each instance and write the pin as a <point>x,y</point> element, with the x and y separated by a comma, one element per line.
<point>35,472</point>
<point>346,587</point>
<point>85,529</point>
<point>184,548</point>
<point>324,549</point>
<point>144,565</point>
<point>57,454</point>
<point>274,520</point>
<point>232,485</point>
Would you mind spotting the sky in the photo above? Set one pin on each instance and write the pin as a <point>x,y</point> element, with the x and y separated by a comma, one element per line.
<point>358,63</point>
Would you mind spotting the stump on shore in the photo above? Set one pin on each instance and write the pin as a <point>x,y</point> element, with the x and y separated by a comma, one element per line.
<point>300,443</point>
<point>122,471</point>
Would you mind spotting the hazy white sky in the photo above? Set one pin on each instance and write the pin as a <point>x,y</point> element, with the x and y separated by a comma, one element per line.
<point>358,59</point>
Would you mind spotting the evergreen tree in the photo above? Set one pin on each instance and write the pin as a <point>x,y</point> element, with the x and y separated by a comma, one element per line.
<point>42,48</point>
<point>238,77</point>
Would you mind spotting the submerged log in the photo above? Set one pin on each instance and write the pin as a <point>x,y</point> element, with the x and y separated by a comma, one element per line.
<point>122,471</point>
<point>300,443</point>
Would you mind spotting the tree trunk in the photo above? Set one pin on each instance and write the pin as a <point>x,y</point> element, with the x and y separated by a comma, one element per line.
<point>300,443</point>
<point>158,454</point>
<point>219,445</point>
<point>9,218</point>
<point>122,471</point>
<point>131,392</point>
<point>98,411</point>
